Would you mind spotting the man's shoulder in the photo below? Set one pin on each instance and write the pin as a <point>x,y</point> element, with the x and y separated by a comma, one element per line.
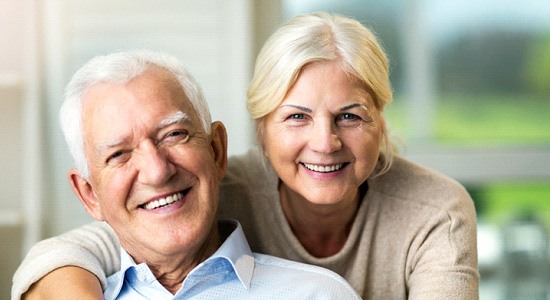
<point>310,279</point>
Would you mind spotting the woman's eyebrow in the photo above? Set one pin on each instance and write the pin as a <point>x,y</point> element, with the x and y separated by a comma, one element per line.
<point>302,108</point>
<point>348,107</point>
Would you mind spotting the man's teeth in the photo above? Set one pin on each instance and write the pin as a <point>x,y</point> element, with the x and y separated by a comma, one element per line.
<point>324,169</point>
<point>163,201</point>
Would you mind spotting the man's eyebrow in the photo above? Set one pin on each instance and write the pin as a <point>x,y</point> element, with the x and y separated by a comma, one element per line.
<point>175,118</point>
<point>106,145</point>
<point>302,108</point>
<point>172,119</point>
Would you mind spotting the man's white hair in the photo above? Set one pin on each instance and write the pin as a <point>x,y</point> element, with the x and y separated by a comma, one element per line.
<point>119,68</point>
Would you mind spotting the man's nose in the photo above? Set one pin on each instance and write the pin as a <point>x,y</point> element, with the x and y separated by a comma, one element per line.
<point>155,167</point>
<point>324,137</point>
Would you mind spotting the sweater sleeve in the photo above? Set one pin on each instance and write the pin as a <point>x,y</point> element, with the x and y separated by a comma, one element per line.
<point>93,247</point>
<point>444,263</point>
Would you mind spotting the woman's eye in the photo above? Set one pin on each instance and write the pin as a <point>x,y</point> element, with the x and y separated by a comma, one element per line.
<point>296,116</point>
<point>348,116</point>
<point>348,119</point>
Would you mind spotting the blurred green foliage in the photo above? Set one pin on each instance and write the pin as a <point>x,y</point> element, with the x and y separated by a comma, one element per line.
<point>504,120</point>
<point>493,120</point>
<point>483,120</point>
<point>507,201</point>
<point>537,67</point>
<point>492,88</point>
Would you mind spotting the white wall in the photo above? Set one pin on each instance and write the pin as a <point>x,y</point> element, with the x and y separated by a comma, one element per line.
<point>12,15</point>
<point>212,37</point>
<point>42,42</point>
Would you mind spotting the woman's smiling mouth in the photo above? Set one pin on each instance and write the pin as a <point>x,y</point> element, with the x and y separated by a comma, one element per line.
<point>323,169</point>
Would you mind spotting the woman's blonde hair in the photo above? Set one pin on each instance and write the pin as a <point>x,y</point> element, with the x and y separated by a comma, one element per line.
<point>320,37</point>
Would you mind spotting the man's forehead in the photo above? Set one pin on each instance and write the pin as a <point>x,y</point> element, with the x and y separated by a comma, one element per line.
<point>159,82</point>
<point>164,104</point>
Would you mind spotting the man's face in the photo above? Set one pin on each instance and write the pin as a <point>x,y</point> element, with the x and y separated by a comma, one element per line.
<point>154,172</point>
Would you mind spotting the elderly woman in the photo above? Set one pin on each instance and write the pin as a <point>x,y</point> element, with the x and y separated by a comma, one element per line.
<point>325,187</point>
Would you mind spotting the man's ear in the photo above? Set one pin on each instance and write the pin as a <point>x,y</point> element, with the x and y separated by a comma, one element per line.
<point>219,146</point>
<point>83,189</point>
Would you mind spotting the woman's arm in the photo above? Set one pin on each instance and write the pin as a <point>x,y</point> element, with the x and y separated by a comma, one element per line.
<point>93,247</point>
<point>445,261</point>
<point>77,284</point>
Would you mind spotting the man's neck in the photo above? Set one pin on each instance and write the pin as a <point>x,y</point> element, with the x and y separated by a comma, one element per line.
<point>172,272</point>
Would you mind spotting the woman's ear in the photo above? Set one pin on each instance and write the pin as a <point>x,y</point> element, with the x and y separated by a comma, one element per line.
<point>219,147</point>
<point>84,190</point>
<point>260,137</point>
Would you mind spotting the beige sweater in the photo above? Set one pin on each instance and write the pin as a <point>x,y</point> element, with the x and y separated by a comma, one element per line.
<point>414,236</point>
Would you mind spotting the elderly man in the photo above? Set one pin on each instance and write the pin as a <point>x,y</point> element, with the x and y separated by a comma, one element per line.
<point>149,162</point>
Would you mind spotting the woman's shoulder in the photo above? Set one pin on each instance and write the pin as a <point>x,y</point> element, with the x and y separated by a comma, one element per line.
<point>248,167</point>
<point>248,177</point>
<point>409,181</point>
<point>253,157</point>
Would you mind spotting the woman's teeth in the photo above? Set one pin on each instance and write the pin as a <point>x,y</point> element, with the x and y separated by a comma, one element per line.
<point>163,201</point>
<point>323,169</point>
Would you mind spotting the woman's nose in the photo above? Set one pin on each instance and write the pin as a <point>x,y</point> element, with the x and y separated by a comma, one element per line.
<point>324,137</point>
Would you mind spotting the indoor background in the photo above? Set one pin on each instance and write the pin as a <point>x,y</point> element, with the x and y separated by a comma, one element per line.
<point>472,99</point>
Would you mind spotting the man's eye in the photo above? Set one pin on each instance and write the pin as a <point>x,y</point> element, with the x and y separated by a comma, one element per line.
<point>177,133</point>
<point>116,156</point>
<point>175,136</point>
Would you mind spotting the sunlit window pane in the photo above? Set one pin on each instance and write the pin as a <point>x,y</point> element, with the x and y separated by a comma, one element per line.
<point>466,75</point>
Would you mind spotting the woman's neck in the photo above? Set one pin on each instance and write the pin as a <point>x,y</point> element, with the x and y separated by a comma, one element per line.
<point>321,229</point>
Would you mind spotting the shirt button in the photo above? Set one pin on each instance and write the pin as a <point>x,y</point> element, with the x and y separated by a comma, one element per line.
<point>141,276</point>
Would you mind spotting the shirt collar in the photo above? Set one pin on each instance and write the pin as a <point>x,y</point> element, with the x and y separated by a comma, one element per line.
<point>234,249</point>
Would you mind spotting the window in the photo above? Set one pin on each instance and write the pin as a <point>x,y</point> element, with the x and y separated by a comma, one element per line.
<point>471,86</point>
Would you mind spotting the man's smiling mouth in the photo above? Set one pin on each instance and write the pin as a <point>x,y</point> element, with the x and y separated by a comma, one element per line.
<point>323,169</point>
<point>164,201</point>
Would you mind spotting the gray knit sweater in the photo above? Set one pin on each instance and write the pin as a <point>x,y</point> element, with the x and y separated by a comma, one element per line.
<point>414,236</point>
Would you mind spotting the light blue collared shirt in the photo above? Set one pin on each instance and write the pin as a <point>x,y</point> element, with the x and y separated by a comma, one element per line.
<point>232,272</point>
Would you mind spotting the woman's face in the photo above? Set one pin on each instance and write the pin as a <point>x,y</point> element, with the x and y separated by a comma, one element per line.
<point>323,140</point>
